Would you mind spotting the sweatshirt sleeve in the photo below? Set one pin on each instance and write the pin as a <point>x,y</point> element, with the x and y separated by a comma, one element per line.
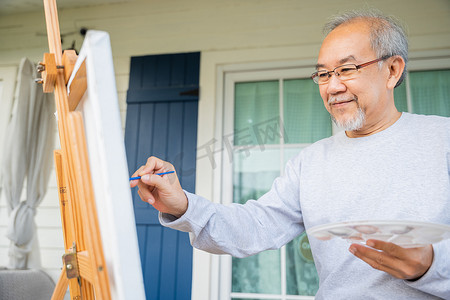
<point>436,280</point>
<point>244,229</point>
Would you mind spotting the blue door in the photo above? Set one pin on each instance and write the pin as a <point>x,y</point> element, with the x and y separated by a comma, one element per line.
<point>162,107</point>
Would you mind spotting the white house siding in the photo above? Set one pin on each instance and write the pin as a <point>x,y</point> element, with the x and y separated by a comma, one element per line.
<point>228,33</point>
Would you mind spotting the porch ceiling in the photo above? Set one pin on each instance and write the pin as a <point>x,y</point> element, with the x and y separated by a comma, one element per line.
<point>10,7</point>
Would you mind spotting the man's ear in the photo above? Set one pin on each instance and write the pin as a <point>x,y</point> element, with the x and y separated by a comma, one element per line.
<point>396,66</point>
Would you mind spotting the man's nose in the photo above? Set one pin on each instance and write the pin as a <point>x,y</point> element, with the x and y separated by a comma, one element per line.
<point>335,85</point>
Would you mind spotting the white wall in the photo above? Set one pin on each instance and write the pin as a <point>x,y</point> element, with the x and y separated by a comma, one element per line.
<point>228,33</point>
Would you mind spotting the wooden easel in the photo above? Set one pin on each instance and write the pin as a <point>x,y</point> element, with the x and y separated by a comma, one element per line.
<point>84,269</point>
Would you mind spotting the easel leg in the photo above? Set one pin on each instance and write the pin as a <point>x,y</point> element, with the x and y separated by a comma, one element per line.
<point>67,225</point>
<point>61,286</point>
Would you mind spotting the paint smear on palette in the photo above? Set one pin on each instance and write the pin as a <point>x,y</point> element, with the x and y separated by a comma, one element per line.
<point>406,234</point>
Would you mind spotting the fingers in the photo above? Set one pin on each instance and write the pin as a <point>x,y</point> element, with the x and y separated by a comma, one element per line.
<point>154,165</point>
<point>149,198</point>
<point>404,263</point>
<point>153,181</point>
<point>163,191</point>
<point>390,248</point>
<point>149,183</point>
<point>134,183</point>
<point>376,259</point>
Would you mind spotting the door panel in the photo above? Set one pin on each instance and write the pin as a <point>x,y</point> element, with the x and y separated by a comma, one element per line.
<point>162,121</point>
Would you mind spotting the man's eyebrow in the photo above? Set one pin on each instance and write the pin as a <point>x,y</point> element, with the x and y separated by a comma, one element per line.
<point>346,59</point>
<point>341,61</point>
<point>318,66</point>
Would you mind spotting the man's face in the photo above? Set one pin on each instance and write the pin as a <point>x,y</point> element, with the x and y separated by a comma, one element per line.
<point>357,103</point>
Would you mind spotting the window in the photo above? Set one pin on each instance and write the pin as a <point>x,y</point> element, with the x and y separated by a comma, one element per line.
<point>272,119</point>
<point>425,92</point>
<point>269,116</point>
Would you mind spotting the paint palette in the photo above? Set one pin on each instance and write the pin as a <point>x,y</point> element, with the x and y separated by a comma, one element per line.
<point>407,234</point>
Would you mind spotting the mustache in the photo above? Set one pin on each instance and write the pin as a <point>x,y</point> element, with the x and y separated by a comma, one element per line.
<point>341,98</point>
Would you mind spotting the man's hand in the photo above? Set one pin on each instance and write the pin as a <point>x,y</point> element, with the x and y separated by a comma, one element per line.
<point>403,263</point>
<point>163,192</point>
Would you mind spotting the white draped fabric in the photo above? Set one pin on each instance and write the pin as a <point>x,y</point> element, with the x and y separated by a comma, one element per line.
<point>29,142</point>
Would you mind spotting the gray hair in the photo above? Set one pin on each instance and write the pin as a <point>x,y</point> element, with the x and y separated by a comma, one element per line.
<point>387,36</point>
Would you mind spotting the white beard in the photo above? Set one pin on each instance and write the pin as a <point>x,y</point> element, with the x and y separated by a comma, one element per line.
<point>352,124</point>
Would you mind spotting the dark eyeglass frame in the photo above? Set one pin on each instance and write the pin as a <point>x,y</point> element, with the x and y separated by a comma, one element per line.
<point>315,75</point>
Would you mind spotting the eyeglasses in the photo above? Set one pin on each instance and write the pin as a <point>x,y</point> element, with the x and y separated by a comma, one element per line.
<point>344,72</point>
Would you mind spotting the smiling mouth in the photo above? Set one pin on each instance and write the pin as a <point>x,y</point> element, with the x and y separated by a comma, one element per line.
<point>339,103</point>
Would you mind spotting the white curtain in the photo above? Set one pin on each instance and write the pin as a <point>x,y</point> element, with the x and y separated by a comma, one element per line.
<point>29,142</point>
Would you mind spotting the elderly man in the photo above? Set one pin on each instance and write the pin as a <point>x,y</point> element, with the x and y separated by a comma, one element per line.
<point>385,165</point>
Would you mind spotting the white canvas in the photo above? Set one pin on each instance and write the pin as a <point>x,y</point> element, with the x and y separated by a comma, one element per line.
<point>109,171</point>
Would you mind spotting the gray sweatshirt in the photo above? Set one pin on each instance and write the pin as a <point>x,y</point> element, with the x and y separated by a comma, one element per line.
<point>401,173</point>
